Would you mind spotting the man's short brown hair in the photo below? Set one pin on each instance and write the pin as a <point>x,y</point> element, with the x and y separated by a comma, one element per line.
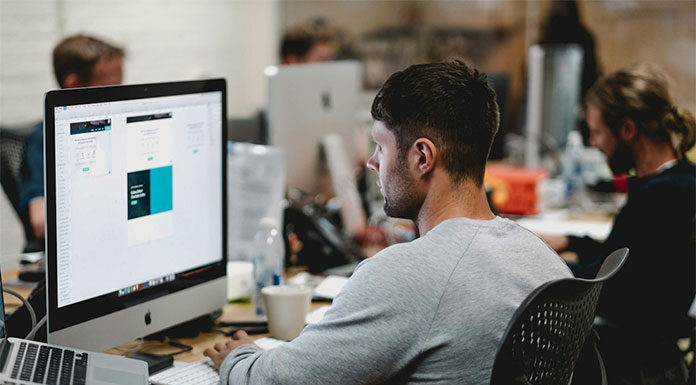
<point>451,104</point>
<point>79,54</point>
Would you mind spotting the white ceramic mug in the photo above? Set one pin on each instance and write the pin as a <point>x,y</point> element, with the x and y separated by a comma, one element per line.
<point>286,310</point>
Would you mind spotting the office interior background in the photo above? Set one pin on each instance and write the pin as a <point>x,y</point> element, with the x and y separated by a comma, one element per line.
<point>169,40</point>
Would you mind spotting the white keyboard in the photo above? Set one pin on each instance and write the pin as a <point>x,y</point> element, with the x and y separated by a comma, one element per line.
<point>197,373</point>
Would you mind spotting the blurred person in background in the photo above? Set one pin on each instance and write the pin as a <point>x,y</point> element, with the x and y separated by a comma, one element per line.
<point>78,61</point>
<point>563,25</point>
<point>644,308</point>
<point>310,42</point>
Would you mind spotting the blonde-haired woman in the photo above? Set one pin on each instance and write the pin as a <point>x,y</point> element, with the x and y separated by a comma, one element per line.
<point>635,123</point>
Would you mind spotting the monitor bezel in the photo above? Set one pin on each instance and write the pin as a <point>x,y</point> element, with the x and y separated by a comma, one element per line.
<point>73,314</point>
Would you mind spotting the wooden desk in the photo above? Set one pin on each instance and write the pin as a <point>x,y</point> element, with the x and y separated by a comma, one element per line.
<point>235,312</point>
<point>231,313</point>
<point>11,302</point>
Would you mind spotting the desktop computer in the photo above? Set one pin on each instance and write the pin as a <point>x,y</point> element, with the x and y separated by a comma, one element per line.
<point>307,102</point>
<point>313,114</point>
<point>135,209</point>
<point>553,99</point>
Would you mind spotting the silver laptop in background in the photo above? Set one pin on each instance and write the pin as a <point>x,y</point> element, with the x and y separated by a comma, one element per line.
<point>28,362</point>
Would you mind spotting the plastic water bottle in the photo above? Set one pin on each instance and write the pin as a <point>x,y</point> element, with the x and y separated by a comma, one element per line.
<point>572,169</point>
<point>269,256</point>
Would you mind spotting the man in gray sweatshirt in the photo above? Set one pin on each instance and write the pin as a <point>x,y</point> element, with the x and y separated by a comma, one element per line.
<point>432,310</point>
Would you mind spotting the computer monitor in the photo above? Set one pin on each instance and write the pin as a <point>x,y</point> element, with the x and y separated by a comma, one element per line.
<point>553,98</point>
<point>306,102</point>
<point>135,209</point>
<point>500,82</point>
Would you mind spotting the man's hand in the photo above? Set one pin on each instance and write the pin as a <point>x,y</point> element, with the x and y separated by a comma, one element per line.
<point>37,217</point>
<point>219,352</point>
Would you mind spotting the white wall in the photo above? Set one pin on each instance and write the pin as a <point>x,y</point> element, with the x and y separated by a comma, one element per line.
<point>165,40</point>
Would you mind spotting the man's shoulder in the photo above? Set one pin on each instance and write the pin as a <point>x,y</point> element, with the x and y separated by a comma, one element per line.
<point>442,240</point>
<point>396,252</point>
<point>37,131</point>
<point>424,256</point>
<point>680,177</point>
<point>513,248</point>
<point>36,135</point>
<point>674,188</point>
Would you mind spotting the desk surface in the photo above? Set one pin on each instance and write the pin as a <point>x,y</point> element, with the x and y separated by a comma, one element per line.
<point>234,312</point>
<point>231,313</point>
<point>564,222</point>
<point>9,279</point>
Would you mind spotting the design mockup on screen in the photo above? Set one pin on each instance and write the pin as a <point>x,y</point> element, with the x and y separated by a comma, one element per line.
<point>138,197</point>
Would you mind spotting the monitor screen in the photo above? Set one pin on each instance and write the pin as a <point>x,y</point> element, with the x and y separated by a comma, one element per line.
<point>135,195</point>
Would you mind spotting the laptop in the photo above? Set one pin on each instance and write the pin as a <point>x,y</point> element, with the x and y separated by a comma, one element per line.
<point>28,362</point>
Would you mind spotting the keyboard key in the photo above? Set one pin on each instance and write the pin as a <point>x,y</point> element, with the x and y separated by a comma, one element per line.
<point>67,367</point>
<point>18,359</point>
<point>41,364</point>
<point>80,375</point>
<point>29,361</point>
<point>54,366</point>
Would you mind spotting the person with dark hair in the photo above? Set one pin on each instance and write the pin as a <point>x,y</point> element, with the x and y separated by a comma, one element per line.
<point>435,309</point>
<point>78,61</point>
<point>563,25</point>
<point>310,42</point>
<point>644,308</point>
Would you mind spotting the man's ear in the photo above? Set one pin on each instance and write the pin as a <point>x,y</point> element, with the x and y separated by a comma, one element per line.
<point>72,80</point>
<point>628,131</point>
<point>424,155</point>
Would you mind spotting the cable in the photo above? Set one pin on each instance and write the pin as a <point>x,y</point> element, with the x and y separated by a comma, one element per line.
<point>32,314</point>
<point>242,324</point>
<point>167,341</point>
<point>35,329</point>
<point>248,330</point>
<point>184,348</point>
<point>131,350</point>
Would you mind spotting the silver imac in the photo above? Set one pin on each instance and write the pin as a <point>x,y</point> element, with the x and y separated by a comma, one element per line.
<point>553,98</point>
<point>306,102</point>
<point>135,209</point>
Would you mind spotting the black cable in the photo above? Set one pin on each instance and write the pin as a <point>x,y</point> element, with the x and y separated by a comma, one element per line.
<point>184,348</point>
<point>242,324</point>
<point>251,328</point>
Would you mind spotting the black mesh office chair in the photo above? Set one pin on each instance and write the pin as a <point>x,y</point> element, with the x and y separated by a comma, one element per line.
<point>12,143</point>
<point>544,338</point>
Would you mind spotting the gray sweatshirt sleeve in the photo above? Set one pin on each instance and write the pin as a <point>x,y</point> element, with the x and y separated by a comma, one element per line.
<point>363,338</point>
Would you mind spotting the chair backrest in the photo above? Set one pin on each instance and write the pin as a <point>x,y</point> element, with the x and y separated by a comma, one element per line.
<point>545,335</point>
<point>12,145</point>
<point>11,154</point>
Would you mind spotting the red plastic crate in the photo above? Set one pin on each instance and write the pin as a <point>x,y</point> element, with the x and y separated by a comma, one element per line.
<point>514,188</point>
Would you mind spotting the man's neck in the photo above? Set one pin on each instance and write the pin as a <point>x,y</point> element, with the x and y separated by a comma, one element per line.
<point>466,200</point>
<point>650,156</point>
